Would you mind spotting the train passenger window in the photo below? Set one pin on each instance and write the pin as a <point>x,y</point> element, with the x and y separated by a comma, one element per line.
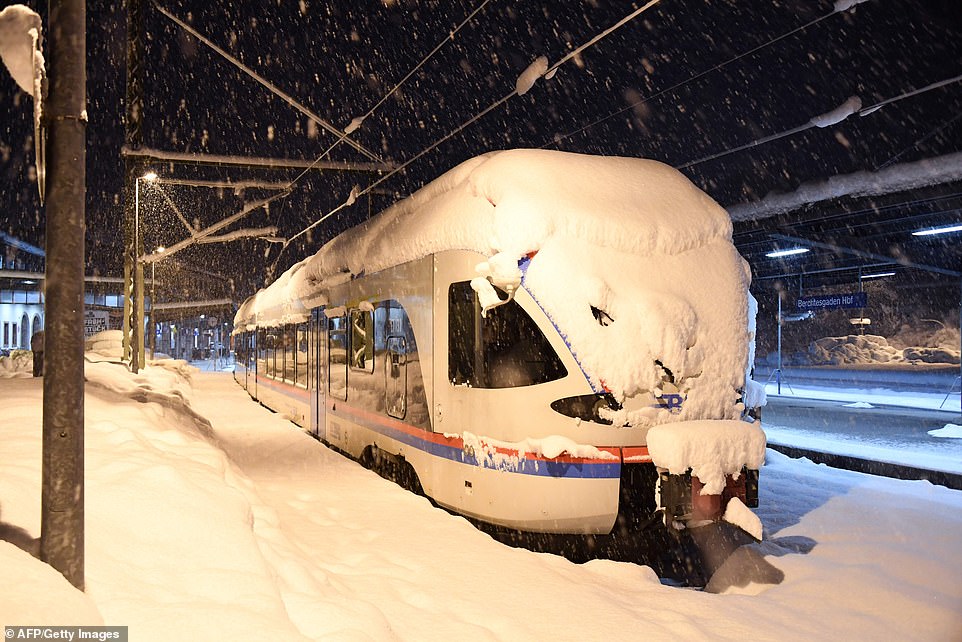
<point>504,349</point>
<point>337,356</point>
<point>271,368</point>
<point>262,352</point>
<point>395,377</point>
<point>362,340</point>
<point>289,349</point>
<point>300,354</point>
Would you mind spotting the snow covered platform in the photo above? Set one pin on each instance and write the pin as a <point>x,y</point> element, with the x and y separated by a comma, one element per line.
<point>898,380</point>
<point>209,517</point>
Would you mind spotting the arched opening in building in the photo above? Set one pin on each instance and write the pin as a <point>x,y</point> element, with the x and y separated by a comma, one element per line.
<point>25,332</point>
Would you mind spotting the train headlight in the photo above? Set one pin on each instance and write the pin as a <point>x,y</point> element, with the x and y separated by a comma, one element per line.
<point>587,407</point>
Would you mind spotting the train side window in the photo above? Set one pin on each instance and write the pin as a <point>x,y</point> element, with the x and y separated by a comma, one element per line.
<point>337,357</point>
<point>262,352</point>
<point>289,348</point>
<point>395,377</point>
<point>276,358</point>
<point>504,349</point>
<point>271,352</point>
<point>300,355</point>
<point>362,340</point>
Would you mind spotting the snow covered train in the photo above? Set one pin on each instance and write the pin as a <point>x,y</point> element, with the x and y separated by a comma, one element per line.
<point>538,340</point>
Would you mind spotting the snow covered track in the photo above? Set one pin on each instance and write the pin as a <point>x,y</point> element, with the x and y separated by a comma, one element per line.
<point>266,534</point>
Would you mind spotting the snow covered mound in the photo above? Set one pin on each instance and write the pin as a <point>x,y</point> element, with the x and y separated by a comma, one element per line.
<point>852,349</point>
<point>18,364</point>
<point>871,349</point>
<point>35,593</point>
<point>949,431</point>
<point>108,344</point>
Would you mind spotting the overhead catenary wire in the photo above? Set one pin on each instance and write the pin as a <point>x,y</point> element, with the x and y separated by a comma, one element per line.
<point>270,86</point>
<point>914,92</point>
<point>558,139</point>
<point>861,111</point>
<point>445,40</point>
<point>497,103</point>
<point>356,123</point>
<point>930,134</point>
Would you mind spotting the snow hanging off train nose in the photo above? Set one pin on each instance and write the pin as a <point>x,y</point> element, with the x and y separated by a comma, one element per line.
<point>680,317</point>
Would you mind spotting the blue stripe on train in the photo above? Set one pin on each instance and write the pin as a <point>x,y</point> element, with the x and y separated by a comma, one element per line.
<point>497,461</point>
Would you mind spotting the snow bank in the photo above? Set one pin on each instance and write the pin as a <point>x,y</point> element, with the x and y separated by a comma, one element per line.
<point>951,431</point>
<point>710,449</point>
<point>871,349</point>
<point>631,237</point>
<point>108,344</point>
<point>19,363</point>
<point>33,593</point>
<point>271,536</point>
<point>928,333</point>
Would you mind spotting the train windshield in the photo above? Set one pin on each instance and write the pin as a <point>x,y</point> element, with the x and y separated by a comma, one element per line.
<point>503,349</point>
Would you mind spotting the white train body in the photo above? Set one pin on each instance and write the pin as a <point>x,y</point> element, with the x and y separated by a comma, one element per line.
<point>511,332</point>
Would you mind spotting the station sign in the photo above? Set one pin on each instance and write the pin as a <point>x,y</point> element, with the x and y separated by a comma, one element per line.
<point>832,301</point>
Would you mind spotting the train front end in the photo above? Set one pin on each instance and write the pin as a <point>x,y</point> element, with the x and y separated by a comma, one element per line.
<point>630,273</point>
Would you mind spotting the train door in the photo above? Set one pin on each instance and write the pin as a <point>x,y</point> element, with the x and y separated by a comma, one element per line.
<point>449,413</point>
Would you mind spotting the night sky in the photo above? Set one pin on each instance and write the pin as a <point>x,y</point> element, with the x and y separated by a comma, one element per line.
<point>339,59</point>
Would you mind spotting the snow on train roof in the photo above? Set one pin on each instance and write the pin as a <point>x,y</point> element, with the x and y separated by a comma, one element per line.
<point>509,201</point>
<point>632,237</point>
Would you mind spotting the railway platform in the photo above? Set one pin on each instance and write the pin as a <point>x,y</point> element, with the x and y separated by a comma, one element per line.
<point>895,422</point>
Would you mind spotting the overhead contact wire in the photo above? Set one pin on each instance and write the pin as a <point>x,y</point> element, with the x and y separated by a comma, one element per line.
<point>478,116</point>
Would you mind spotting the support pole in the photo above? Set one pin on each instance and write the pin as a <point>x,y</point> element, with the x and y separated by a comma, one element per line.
<point>778,369</point>
<point>133,167</point>
<point>137,320</point>
<point>152,324</point>
<point>62,488</point>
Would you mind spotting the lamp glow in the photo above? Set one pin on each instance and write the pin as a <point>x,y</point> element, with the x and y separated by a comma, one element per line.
<point>150,177</point>
<point>877,276</point>
<point>792,252</point>
<point>938,230</point>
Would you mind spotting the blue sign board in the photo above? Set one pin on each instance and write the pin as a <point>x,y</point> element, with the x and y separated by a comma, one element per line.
<point>832,301</point>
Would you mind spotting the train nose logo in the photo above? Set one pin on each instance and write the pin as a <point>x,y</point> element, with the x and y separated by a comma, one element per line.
<point>672,402</point>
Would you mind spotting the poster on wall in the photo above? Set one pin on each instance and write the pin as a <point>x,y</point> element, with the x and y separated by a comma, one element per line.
<point>95,321</point>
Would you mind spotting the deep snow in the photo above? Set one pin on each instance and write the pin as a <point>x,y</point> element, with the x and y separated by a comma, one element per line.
<point>209,517</point>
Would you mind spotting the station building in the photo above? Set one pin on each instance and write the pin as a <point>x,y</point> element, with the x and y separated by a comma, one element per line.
<point>183,329</point>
